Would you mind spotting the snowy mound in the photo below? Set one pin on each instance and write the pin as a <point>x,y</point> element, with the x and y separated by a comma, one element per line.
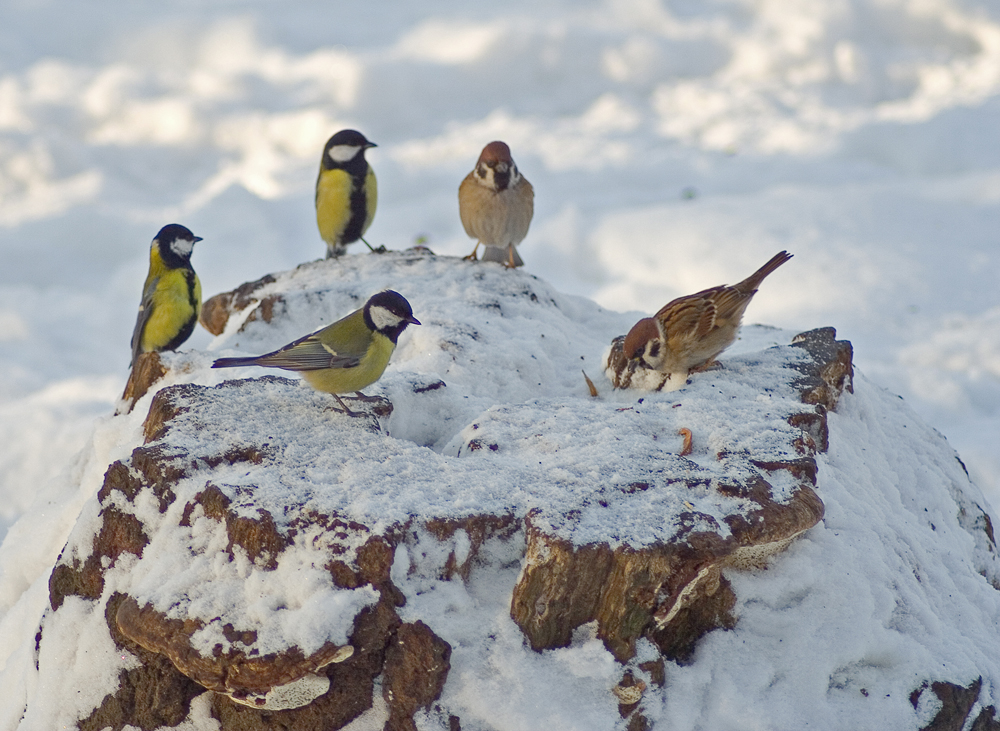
<point>498,549</point>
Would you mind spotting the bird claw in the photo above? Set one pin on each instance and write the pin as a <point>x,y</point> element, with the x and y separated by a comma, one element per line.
<point>343,407</point>
<point>471,257</point>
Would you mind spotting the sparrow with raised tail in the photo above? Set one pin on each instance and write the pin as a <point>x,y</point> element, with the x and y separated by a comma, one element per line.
<point>346,356</point>
<point>171,295</point>
<point>346,192</point>
<point>685,336</point>
<point>496,204</point>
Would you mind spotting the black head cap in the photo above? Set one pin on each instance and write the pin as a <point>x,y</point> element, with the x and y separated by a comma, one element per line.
<point>389,313</point>
<point>175,243</point>
<point>350,137</point>
<point>346,151</point>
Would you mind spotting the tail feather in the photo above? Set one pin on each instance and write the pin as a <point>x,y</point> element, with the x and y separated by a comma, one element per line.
<point>235,362</point>
<point>502,255</point>
<point>751,283</point>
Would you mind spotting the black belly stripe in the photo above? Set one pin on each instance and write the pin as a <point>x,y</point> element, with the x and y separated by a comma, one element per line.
<point>185,332</point>
<point>359,210</point>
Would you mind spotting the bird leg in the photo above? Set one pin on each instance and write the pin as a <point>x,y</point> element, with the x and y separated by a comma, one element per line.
<point>472,256</point>
<point>379,250</point>
<point>344,406</point>
<point>710,363</point>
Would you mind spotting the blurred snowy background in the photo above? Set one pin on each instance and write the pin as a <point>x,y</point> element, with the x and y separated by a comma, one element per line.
<point>673,145</point>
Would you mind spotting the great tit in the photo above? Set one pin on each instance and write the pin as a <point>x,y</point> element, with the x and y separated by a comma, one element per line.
<point>171,296</point>
<point>346,356</point>
<point>346,192</point>
<point>496,203</point>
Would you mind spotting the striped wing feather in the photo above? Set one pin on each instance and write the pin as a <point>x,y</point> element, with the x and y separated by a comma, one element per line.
<point>145,311</point>
<point>310,354</point>
<point>690,318</point>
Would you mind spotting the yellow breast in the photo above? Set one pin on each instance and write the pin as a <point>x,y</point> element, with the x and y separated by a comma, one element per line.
<point>174,305</point>
<point>348,380</point>
<point>333,204</point>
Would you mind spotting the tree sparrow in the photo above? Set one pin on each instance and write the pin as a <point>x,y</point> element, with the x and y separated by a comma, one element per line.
<point>496,204</point>
<point>685,336</point>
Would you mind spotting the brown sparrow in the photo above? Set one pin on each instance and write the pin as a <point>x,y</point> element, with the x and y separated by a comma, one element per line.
<point>685,336</point>
<point>496,204</point>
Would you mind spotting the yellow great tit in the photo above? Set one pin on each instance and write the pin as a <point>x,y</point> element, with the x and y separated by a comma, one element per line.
<point>346,192</point>
<point>171,296</point>
<point>346,356</point>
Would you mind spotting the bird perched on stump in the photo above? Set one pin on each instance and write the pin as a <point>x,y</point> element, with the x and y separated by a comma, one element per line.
<point>685,336</point>
<point>171,295</point>
<point>346,191</point>
<point>496,204</point>
<point>346,356</point>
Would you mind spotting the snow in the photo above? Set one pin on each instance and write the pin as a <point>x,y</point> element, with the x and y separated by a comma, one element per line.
<point>672,146</point>
<point>892,589</point>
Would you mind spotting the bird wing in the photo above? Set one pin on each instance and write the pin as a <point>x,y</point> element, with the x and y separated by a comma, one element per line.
<point>730,303</point>
<point>690,318</point>
<point>371,195</point>
<point>520,210</point>
<point>469,204</point>
<point>311,353</point>
<point>145,312</point>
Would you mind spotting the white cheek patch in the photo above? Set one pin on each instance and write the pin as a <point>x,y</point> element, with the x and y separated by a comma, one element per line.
<point>486,176</point>
<point>342,153</point>
<point>182,247</point>
<point>383,319</point>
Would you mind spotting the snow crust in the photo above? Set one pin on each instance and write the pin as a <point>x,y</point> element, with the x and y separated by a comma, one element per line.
<point>672,146</point>
<point>894,588</point>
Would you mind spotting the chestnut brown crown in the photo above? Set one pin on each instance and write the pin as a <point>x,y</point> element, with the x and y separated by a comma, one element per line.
<point>640,334</point>
<point>495,152</point>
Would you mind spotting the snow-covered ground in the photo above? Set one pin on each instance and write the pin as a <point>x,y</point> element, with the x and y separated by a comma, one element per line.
<point>672,146</point>
<point>892,590</point>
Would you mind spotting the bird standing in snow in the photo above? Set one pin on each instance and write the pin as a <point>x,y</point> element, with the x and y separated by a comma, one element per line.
<point>496,204</point>
<point>346,356</point>
<point>171,295</point>
<point>346,192</point>
<point>685,336</point>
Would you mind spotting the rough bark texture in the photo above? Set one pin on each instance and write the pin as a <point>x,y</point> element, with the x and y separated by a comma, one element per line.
<point>957,703</point>
<point>673,592</point>
<point>148,369</point>
<point>416,668</point>
<point>227,672</point>
<point>216,310</point>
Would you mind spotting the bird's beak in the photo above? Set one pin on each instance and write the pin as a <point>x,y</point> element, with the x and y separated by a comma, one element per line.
<point>412,320</point>
<point>198,238</point>
<point>370,144</point>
